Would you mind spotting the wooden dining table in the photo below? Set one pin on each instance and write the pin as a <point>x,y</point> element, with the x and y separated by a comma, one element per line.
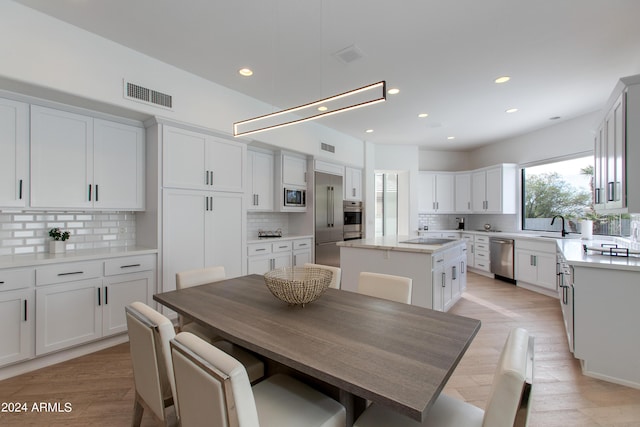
<point>392,354</point>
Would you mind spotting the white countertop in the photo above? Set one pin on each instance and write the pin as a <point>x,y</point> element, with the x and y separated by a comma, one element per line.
<point>575,255</point>
<point>42,258</point>
<point>392,243</point>
<point>277,239</point>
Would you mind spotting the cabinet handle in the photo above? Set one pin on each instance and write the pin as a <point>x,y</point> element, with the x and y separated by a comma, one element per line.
<point>261,249</point>
<point>96,192</point>
<point>2,282</point>
<point>453,273</point>
<point>20,190</point>
<point>612,188</point>
<point>89,192</point>
<point>443,279</point>
<point>535,260</point>
<point>211,202</point>
<point>70,273</point>
<point>462,267</point>
<point>25,311</point>
<point>211,172</point>
<point>99,301</point>
<point>353,192</point>
<point>106,295</point>
<point>282,247</point>
<point>302,244</point>
<point>469,205</point>
<point>130,265</point>
<point>206,178</point>
<point>295,260</point>
<point>596,196</point>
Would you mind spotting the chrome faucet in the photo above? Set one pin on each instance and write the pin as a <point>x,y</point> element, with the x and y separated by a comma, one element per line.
<point>564,232</point>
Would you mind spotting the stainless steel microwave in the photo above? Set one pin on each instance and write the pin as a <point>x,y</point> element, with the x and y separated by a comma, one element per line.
<point>295,197</point>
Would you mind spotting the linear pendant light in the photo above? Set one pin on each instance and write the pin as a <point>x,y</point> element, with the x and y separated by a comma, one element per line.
<point>361,97</point>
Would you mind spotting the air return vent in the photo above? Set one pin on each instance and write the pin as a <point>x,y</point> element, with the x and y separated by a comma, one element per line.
<point>148,96</point>
<point>327,147</point>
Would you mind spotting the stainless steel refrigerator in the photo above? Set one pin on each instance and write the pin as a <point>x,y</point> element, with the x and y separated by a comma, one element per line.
<point>329,221</point>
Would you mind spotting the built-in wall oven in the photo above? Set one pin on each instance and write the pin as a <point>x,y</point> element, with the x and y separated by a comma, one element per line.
<point>352,226</point>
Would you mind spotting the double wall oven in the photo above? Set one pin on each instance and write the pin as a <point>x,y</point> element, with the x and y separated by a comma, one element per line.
<point>352,226</point>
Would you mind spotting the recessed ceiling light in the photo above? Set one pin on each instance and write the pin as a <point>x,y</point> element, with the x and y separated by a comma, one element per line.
<point>393,91</point>
<point>502,79</point>
<point>322,108</point>
<point>369,131</point>
<point>511,110</point>
<point>423,115</point>
<point>246,72</point>
<point>451,137</point>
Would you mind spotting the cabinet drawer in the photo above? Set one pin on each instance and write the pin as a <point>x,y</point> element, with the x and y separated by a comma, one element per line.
<point>282,246</point>
<point>68,272</point>
<point>482,255</point>
<point>302,244</point>
<point>259,249</point>
<point>16,279</point>
<point>480,247</point>
<point>548,246</point>
<point>131,264</point>
<point>482,239</point>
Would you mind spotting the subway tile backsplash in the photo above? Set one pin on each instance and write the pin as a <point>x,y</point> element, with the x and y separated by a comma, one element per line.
<point>28,232</point>
<point>266,221</point>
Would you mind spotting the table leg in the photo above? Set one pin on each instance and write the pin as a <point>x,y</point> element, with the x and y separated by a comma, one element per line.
<point>354,406</point>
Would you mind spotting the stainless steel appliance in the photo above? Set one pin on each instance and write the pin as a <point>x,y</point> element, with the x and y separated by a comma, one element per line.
<point>329,219</point>
<point>295,197</point>
<point>565,291</point>
<point>501,255</point>
<point>352,213</point>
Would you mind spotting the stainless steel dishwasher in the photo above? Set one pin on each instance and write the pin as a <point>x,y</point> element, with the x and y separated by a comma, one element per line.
<point>501,256</point>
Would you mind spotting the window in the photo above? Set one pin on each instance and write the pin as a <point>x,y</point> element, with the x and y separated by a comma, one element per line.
<point>565,188</point>
<point>386,204</point>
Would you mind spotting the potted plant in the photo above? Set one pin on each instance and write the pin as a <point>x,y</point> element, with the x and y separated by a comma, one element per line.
<point>57,245</point>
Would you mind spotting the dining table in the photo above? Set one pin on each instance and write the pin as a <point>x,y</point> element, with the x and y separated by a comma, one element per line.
<point>367,348</point>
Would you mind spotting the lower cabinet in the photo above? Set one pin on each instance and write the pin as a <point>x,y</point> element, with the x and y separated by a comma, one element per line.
<point>481,259</point>
<point>535,263</point>
<point>449,277</point>
<point>264,257</point>
<point>16,325</point>
<point>301,252</point>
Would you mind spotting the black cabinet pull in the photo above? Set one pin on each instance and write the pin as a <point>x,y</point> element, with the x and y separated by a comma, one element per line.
<point>70,273</point>
<point>25,311</point>
<point>2,283</point>
<point>130,265</point>
<point>99,301</point>
<point>20,190</point>
<point>96,192</point>
<point>106,295</point>
<point>89,192</point>
<point>206,177</point>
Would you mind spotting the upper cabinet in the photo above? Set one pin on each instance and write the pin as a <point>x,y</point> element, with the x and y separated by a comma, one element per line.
<point>260,179</point>
<point>352,184</point>
<point>14,153</point>
<point>493,189</point>
<point>436,192</point>
<point>290,182</point>
<point>462,193</point>
<point>294,171</point>
<point>78,162</point>
<point>197,161</point>
<point>617,145</point>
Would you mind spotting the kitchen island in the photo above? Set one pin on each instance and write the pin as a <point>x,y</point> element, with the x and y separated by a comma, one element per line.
<point>437,266</point>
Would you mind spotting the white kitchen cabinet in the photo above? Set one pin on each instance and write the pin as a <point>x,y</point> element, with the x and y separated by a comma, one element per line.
<point>266,256</point>
<point>599,169</point>
<point>481,255</point>
<point>78,162</point>
<point>14,154</point>
<point>193,160</point>
<point>294,171</point>
<point>493,189</point>
<point>290,173</point>
<point>469,239</point>
<point>448,277</point>
<point>535,263</point>
<point>201,229</point>
<point>261,181</point>
<point>301,252</point>
<point>17,311</point>
<point>352,184</point>
<point>462,193</point>
<point>436,193</point>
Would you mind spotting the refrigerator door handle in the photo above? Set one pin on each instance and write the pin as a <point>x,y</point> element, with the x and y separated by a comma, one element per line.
<point>326,244</point>
<point>328,206</point>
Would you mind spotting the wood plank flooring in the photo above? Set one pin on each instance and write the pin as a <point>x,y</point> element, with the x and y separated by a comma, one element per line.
<point>100,386</point>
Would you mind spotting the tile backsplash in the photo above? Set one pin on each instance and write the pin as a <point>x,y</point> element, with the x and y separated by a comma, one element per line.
<point>266,221</point>
<point>24,232</point>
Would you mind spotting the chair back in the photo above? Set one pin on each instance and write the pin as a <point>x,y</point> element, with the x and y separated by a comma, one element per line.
<point>511,388</point>
<point>387,286</point>
<point>149,336</point>
<point>212,387</point>
<point>186,279</point>
<point>335,271</point>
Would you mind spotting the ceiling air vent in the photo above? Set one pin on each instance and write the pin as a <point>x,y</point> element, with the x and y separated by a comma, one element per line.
<point>327,147</point>
<point>349,54</point>
<point>148,96</point>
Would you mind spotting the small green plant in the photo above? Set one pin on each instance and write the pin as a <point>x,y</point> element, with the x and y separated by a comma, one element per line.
<point>56,234</point>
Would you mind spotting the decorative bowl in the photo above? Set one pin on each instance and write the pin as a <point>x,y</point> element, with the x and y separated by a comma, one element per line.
<point>298,285</point>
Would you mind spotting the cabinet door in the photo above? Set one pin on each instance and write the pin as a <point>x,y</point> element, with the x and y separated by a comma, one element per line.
<point>294,171</point>
<point>427,192</point>
<point>61,159</point>
<point>615,154</point>
<point>120,291</point>
<point>493,190</point>
<point>452,286</point>
<point>438,280</point>
<point>118,166</point>
<point>300,258</point>
<point>184,160</point>
<point>526,269</point>
<point>16,325</point>
<point>183,238</point>
<point>223,233</point>
<point>353,184</point>
<point>463,192</point>
<point>546,270</point>
<point>281,260</point>
<point>258,265</point>
<point>14,153</point>
<point>462,262</point>
<point>225,163</point>
<point>478,191</point>
<point>599,169</point>
<point>444,193</point>
<point>68,314</point>
<point>260,169</point>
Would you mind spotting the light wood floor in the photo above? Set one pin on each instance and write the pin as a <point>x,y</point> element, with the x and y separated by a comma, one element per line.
<point>100,386</point>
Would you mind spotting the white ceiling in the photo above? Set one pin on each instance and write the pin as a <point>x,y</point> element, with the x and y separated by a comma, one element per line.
<point>564,56</point>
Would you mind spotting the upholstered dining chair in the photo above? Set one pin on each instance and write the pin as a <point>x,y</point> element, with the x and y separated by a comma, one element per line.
<point>507,406</point>
<point>335,271</point>
<point>187,279</point>
<point>149,335</point>
<point>387,286</point>
<point>213,389</point>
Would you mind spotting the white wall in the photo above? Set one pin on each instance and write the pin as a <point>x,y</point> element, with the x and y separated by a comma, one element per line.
<point>443,160</point>
<point>53,57</point>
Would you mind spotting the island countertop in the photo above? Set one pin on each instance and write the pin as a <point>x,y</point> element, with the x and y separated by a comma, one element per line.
<point>394,243</point>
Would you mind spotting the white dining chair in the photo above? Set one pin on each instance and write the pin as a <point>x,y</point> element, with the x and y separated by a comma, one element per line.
<point>335,271</point>
<point>149,335</point>
<point>507,406</point>
<point>387,286</point>
<point>213,389</point>
<point>201,276</point>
